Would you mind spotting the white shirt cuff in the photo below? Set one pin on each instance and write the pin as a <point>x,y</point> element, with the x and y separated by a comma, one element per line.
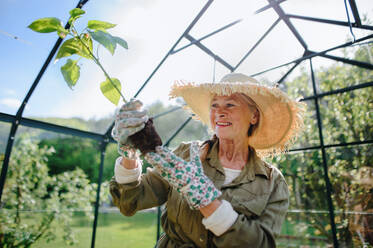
<point>123,175</point>
<point>222,219</point>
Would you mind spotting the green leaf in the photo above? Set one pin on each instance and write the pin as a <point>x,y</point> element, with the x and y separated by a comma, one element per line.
<point>68,48</point>
<point>75,14</point>
<point>121,42</point>
<point>46,25</point>
<point>100,25</point>
<point>74,46</point>
<point>109,91</point>
<point>105,39</point>
<point>71,72</point>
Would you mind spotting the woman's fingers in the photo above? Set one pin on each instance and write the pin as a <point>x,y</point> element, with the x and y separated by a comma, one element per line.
<point>133,104</point>
<point>132,122</point>
<point>131,114</point>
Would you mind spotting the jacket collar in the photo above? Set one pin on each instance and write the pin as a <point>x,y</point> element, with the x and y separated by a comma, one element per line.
<point>254,165</point>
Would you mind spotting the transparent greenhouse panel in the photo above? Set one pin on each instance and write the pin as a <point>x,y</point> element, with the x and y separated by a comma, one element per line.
<point>86,108</point>
<point>167,125</point>
<point>190,65</point>
<point>23,50</point>
<point>362,52</point>
<point>365,8</point>
<point>115,229</point>
<point>278,47</point>
<point>301,231</point>
<point>331,75</point>
<point>49,188</point>
<point>118,231</point>
<point>234,42</point>
<point>309,136</point>
<point>307,220</point>
<point>328,35</point>
<point>351,175</point>
<point>221,13</point>
<point>4,135</point>
<point>193,131</point>
<point>318,9</point>
<point>347,117</point>
<point>272,77</point>
<point>298,85</point>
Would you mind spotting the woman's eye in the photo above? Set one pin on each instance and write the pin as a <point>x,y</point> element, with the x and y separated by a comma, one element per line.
<point>214,105</point>
<point>230,105</point>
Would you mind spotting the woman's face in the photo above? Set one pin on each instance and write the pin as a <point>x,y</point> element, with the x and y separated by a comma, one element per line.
<point>231,116</point>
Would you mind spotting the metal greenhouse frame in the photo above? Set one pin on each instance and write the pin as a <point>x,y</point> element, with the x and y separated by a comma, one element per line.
<point>104,139</point>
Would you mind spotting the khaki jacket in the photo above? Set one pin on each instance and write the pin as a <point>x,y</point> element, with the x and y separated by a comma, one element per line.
<point>259,195</point>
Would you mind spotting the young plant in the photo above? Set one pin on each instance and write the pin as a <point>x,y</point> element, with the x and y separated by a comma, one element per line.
<point>81,44</point>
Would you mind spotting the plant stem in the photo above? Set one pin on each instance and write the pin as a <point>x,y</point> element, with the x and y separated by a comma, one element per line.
<point>99,64</point>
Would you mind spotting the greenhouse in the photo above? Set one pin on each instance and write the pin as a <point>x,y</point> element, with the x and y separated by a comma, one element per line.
<point>58,105</point>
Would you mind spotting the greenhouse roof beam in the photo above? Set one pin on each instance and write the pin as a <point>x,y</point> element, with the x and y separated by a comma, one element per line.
<point>310,55</point>
<point>51,127</point>
<point>268,7</point>
<point>335,22</point>
<point>257,43</point>
<point>339,91</point>
<point>355,12</point>
<point>324,159</point>
<point>178,131</point>
<point>191,25</point>
<point>287,21</point>
<point>364,142</point>
<point>209,52</point>
<point>287,73</point>
<point>361,64</point>
<point>206,36</point>
<point>166,112</point>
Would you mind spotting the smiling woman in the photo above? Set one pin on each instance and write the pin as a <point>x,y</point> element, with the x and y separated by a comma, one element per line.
<point>234,112</point>
<point>218,193</point>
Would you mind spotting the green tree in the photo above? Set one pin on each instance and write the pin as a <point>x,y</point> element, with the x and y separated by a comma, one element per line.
<point>35,204</point>
<point>73,152</point>
<point>346,117</point>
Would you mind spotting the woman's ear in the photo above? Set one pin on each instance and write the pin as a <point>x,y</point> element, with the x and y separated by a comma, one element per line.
<point>255,117</point>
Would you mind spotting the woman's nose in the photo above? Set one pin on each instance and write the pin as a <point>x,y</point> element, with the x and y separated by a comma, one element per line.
<point>221,113</point>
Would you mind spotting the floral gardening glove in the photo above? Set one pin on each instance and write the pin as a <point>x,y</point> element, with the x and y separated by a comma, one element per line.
<point>186,177</point>
<point>129,120</point>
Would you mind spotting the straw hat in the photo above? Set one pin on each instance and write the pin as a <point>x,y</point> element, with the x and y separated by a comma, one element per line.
<point>280,120</point>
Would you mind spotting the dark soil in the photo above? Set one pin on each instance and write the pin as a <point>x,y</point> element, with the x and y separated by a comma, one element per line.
<point>147,139</point>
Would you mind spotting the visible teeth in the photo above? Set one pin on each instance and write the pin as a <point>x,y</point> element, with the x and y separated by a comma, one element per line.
<point>223,123</point>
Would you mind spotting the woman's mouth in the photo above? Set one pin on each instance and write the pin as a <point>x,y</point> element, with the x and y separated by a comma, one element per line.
<point>223,124</point>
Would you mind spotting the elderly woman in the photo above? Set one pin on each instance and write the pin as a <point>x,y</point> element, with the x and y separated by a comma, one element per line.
<point>218,193</point>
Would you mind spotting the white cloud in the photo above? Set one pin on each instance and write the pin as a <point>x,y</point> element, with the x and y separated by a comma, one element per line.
<point>12,103</point>
<point>9,92</point>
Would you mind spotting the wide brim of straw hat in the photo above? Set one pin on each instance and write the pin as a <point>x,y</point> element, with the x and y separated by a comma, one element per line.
<point>281,118</point>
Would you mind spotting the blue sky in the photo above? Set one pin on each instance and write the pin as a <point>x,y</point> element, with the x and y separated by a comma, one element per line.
<point>150,28</point>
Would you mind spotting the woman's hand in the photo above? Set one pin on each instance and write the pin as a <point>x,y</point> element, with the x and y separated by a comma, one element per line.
<point>129,120</point>
<point>186,177</point>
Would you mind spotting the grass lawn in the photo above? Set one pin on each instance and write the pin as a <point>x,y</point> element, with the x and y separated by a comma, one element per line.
<point>139,231</point>
<point>113,230</point>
